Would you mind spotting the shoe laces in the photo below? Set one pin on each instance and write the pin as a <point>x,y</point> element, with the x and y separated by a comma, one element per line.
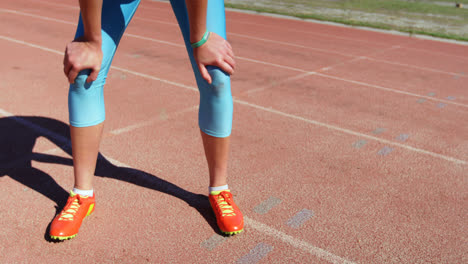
<point>71,208</point>
<point>224,201</point>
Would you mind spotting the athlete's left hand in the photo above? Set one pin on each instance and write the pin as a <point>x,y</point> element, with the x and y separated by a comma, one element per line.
<point>81,54</point>
<point>215,52</point>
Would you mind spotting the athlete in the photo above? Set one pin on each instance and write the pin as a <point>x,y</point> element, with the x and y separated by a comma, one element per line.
<point>86,64</point>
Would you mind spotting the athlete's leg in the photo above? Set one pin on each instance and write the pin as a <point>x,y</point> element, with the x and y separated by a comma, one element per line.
<point>85,148</point>
<point>87,114</point>
<point>216,152</point>
<point>215,112</point>
<point>214,119</point>
<point>86,100</point>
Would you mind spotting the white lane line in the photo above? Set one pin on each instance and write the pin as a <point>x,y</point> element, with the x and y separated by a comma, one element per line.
<point>154,40</point>
<point>276,27</point>
<point>76,7</point>
<point>333,24</point>
<point>152,121</point>
<point>295,242</point>
<point>288,29</point>
<point>350,132</point>
<point>112,67</point>
<point>54,150</point>
<point>391,90</point>
<point>327,68</point>
<point>272,64</point>
<point>257,38</point>
<point>302,75</point>
<point>33,126</point>
<point>123,165</point>
<point>36,16</point>
<point>270,110</point>
<point>292,78</point>
<point>415,67</point>
<point>431,52</point>
<point>241,58</point>
<point>156,21</point>
<point>297,77</point>
<point>293,45</point>
<point>59,138</point>
<point>156,78</point>
<point>321,253</point>
<point>359,58</point>
<point>31,45</point>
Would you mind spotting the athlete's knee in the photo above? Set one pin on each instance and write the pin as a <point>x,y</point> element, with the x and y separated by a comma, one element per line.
<point>220,84</point>
<point>86,102</point>
<point>80,83</point>
<point>81,86</point>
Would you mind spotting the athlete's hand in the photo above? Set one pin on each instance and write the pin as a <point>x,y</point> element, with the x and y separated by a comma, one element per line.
<point>81,55</point>
<point>215,52</point>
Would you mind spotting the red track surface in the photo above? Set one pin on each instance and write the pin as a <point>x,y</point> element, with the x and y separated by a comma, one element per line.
<point>366,130</point>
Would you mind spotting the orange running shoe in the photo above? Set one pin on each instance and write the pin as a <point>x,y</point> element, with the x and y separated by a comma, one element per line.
<point>68,222</point>
<point>228,215</point>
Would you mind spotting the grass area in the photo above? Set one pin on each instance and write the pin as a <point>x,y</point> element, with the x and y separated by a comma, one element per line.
<point>439,18</point>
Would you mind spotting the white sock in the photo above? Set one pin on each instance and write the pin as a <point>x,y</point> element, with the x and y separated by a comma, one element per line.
<point>83,192</point>
<point>218,188</point>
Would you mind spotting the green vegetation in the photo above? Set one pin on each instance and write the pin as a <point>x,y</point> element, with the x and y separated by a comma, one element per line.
<point>439,18</point>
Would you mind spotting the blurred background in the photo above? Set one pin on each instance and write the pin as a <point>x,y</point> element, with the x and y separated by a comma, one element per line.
<point>439,18</point>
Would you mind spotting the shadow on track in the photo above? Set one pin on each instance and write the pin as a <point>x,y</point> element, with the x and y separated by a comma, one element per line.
<point>18,136</point>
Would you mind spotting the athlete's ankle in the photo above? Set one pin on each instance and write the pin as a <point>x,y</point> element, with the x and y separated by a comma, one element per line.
<point>218,188</point>
<point>83,192</point>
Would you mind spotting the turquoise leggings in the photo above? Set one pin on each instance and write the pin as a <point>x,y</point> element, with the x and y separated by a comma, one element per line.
<point>86,100</point>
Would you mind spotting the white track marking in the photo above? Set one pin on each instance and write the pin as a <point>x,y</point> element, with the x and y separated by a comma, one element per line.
<point>292,45</point>
<point>63,140</point>
<point>116,162</point>
<point>333,24</point>
<point>36,16</point>
<point>295,242</point>
<point>293,78</point>
<point>391,90</point>
<point>155,40</point>
<point>156,21</point>
<point>431,52</point>
<point>350,132</point>
<point>415,67</point>
<point>327,68</point>
<point>192,88</point>
<point>31,45</point>
<point>151,121</point>
<point>289,29</point>
<point>123,165</point>
<point>297,77</point>
<point>257,38</point>
<point>53,150</point>
<point>76,7</point>
<point>271,64</point>
<point>302,75</point>
<point>33,126</point>
<point>271,110</point>
<point>241,58</point>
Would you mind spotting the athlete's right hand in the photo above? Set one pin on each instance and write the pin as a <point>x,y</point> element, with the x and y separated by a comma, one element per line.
<point>81,55</point>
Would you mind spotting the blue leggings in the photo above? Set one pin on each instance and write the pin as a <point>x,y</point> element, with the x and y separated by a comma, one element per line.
<point>86,100</point>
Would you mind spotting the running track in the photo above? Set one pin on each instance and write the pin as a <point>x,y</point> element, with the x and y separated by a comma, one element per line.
<point>348,146</point>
